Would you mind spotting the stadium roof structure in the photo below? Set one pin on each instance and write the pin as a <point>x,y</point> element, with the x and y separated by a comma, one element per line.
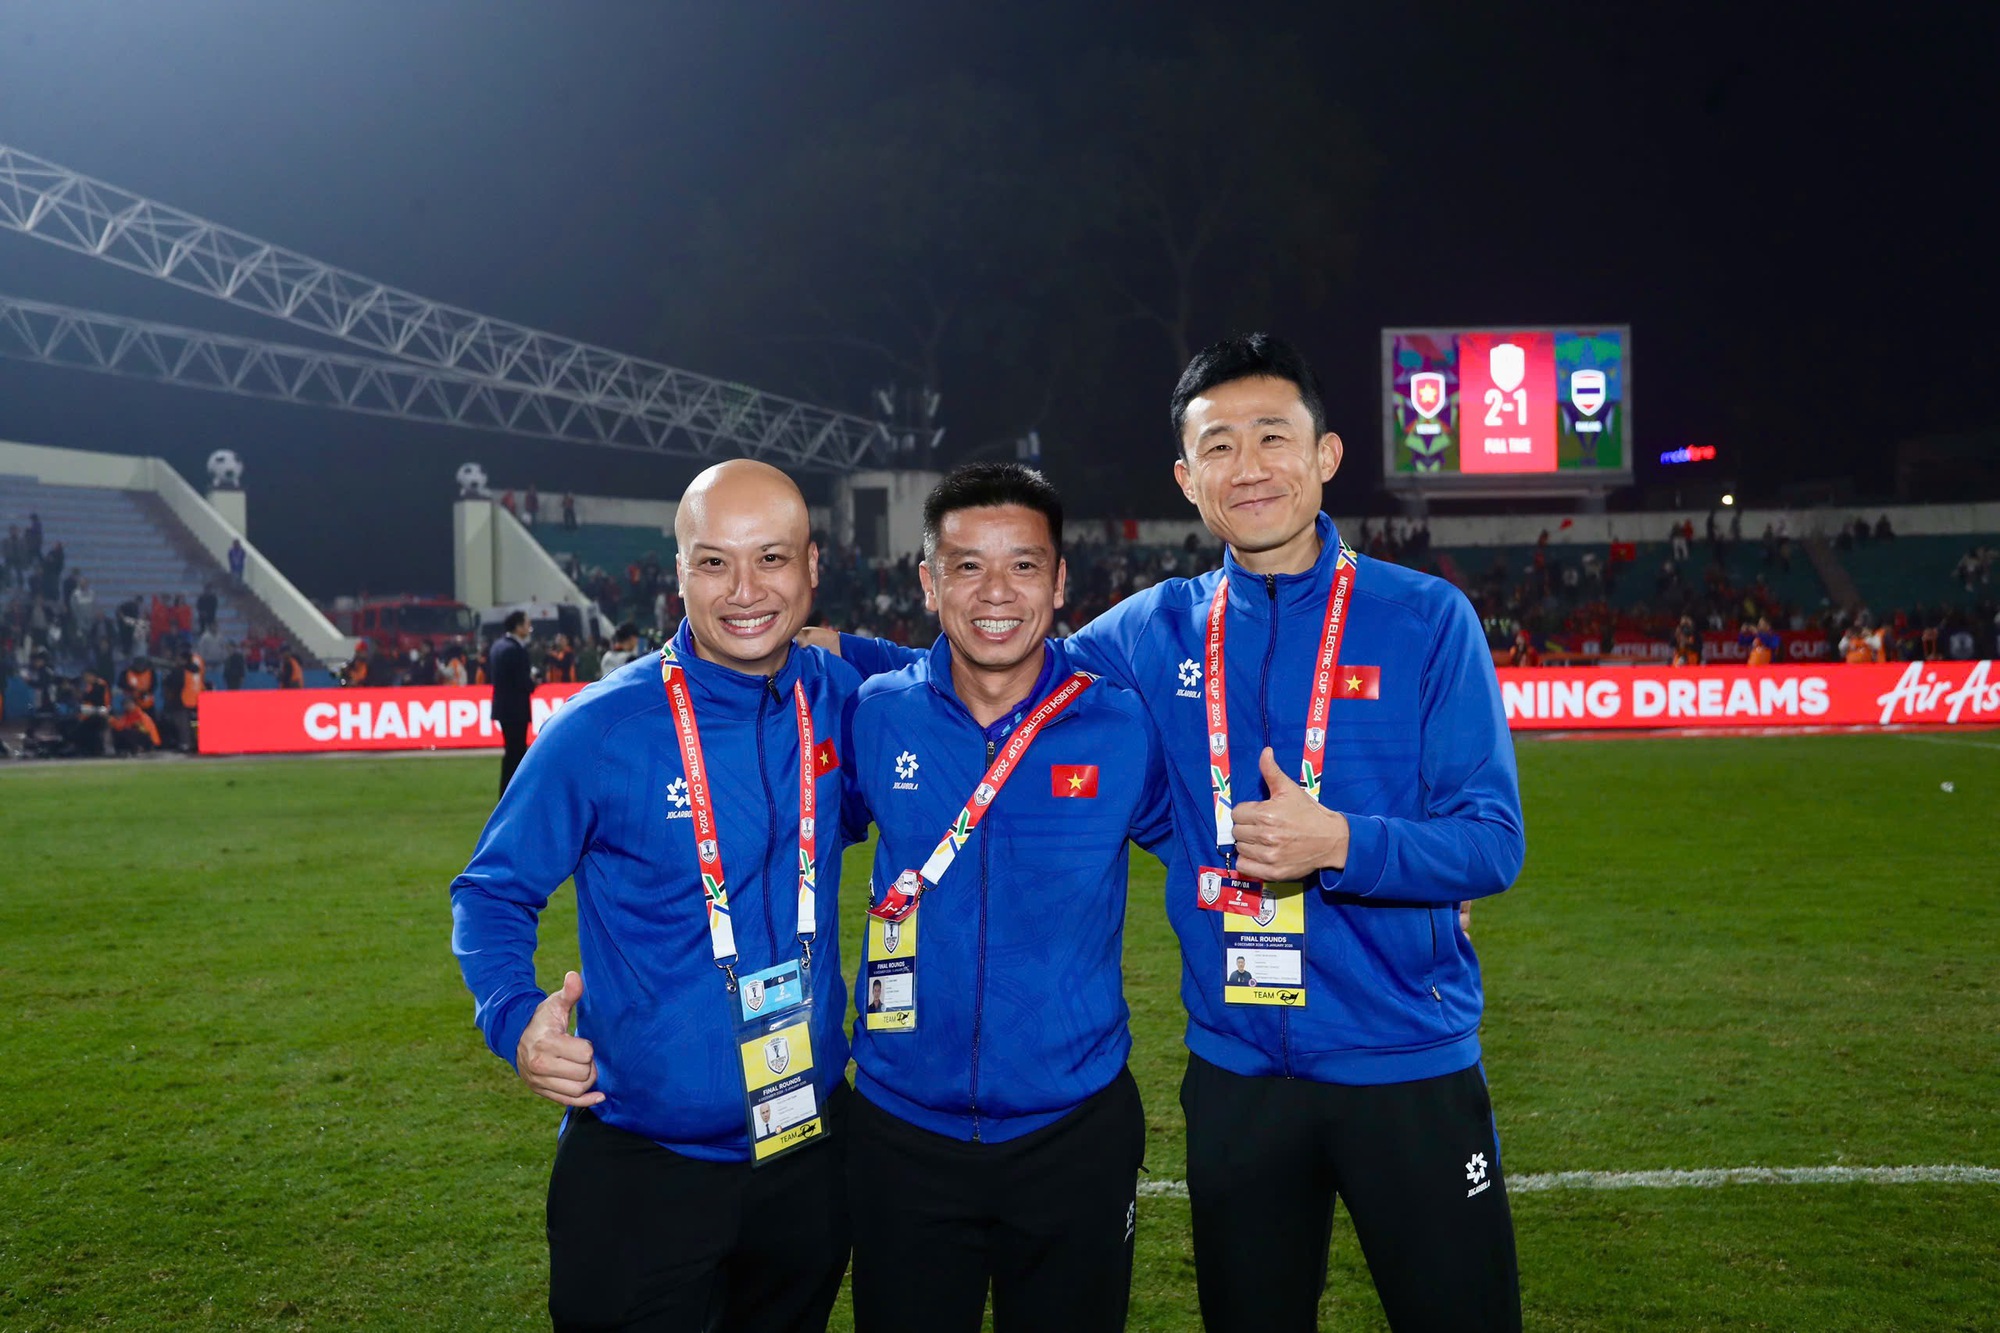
<point>417,359</point>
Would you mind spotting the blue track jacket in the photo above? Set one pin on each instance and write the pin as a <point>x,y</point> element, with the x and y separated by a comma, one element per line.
<point>1020,999</point>
<point>1425,775</point>
<point>602,796</point>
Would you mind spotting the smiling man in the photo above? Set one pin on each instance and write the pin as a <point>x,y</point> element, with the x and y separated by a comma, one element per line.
<point>997,1135</point>
<point>687,794</point>
<point>1341,778</point>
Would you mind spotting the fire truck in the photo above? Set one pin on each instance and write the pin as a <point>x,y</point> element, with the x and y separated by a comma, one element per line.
<point>394,625</point>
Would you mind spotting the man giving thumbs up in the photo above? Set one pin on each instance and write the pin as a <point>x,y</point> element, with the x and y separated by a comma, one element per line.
<point>560,1067</point>
<point>694,796</point>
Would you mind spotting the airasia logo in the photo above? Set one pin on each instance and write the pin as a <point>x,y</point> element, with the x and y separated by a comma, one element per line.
<point>1919,691</point>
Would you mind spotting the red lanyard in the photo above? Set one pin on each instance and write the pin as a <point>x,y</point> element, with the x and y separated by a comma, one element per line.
<point>1314,764</point>
<point>901,898</point>
<point>707,842</point>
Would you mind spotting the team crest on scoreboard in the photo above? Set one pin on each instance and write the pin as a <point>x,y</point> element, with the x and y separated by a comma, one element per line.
<point>1427,393</point>
<point>1587,391</point>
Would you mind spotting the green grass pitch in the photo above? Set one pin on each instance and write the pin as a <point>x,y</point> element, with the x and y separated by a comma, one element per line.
<point>241,1087</point>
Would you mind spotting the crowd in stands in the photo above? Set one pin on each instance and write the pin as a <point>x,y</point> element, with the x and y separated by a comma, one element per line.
<point>1700,589</point>
<point>114,679</point>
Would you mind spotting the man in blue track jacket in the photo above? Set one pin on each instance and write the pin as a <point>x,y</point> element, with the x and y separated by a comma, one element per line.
<point>1341,778</point>
<point>706,899</point>
<point>997,1134</point>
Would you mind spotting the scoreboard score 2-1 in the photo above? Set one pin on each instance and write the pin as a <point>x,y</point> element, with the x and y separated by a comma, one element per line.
<point>1473,409</point>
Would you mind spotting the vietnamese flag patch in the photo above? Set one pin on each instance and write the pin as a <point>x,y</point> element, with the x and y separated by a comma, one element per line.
<point>1357,682</point>
<point>1079,780</point>
<point>825,757</point>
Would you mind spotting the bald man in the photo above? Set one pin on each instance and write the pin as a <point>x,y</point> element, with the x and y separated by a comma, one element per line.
<point>694,794</point>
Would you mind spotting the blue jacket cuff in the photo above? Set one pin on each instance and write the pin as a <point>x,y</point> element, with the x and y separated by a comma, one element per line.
<point>1367,855</point>
<point>505,1034</point>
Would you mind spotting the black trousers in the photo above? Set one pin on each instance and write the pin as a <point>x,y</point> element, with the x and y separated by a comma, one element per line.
<point>514,736</point>
<point>1418,1165</point>
<point>1046,1220</point>
<point>644,1239</point>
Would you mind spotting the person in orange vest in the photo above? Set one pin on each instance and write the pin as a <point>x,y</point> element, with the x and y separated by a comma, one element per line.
<point>356,674</point>
<point>181,695</point>
<point>291,672</point>
<point>193,680</point>
<point>1862,643</point>
<point>1761,644</point>
<point>559,663</point>
<point>1687,643</point>
<point>134,723</point>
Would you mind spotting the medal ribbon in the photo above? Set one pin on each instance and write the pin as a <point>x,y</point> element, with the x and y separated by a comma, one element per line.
<point>1313,766</point>
<point>899,902</point>
<point>708,843</point>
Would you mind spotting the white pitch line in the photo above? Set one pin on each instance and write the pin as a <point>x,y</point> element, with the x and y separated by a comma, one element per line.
<point>1705,1178</point>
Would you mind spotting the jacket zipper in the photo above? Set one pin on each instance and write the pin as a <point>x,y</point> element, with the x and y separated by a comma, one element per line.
<point>979,972</point>
<point>1264,700</point>
<point>1431,915</point>
<point>764,697</point>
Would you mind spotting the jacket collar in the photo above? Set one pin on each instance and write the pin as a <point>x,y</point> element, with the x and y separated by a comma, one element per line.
<point>1251,592</point>
<point>936,666</point>
<point>734,692</point>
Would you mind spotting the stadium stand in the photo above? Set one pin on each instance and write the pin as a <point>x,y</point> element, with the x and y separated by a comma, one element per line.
<point>1918,571</point>
<point>128,546</point>
<point>604,546</point>
<point>145,579</point>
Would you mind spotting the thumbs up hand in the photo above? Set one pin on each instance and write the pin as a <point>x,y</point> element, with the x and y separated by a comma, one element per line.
<point>1289,836</point>
<point>556,1065</point>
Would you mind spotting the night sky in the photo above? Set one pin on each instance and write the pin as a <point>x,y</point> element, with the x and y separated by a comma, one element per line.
<point>1792,208</point>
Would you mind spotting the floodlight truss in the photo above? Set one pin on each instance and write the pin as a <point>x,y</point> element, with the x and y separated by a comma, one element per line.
<point>58,335</point>
<point>494,374</point>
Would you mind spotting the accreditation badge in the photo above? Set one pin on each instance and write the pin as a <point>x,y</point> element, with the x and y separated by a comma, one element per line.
<point>1217,889</point>
<point>888,998</point>
<point>1263,952</point>
<point>774,1039</point>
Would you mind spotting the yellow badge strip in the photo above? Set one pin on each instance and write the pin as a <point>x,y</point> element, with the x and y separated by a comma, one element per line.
<point>791,1138</point>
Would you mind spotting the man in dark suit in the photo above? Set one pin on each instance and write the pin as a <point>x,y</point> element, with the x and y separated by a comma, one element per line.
<point>513,685</point>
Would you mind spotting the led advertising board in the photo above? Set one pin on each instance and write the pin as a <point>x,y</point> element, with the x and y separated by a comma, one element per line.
<point>1500,409</point>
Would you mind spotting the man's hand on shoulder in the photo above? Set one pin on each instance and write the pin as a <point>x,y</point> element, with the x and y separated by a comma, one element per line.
<point>556,1065</point>
<point>819,636</point>
<point>1290,836</point>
